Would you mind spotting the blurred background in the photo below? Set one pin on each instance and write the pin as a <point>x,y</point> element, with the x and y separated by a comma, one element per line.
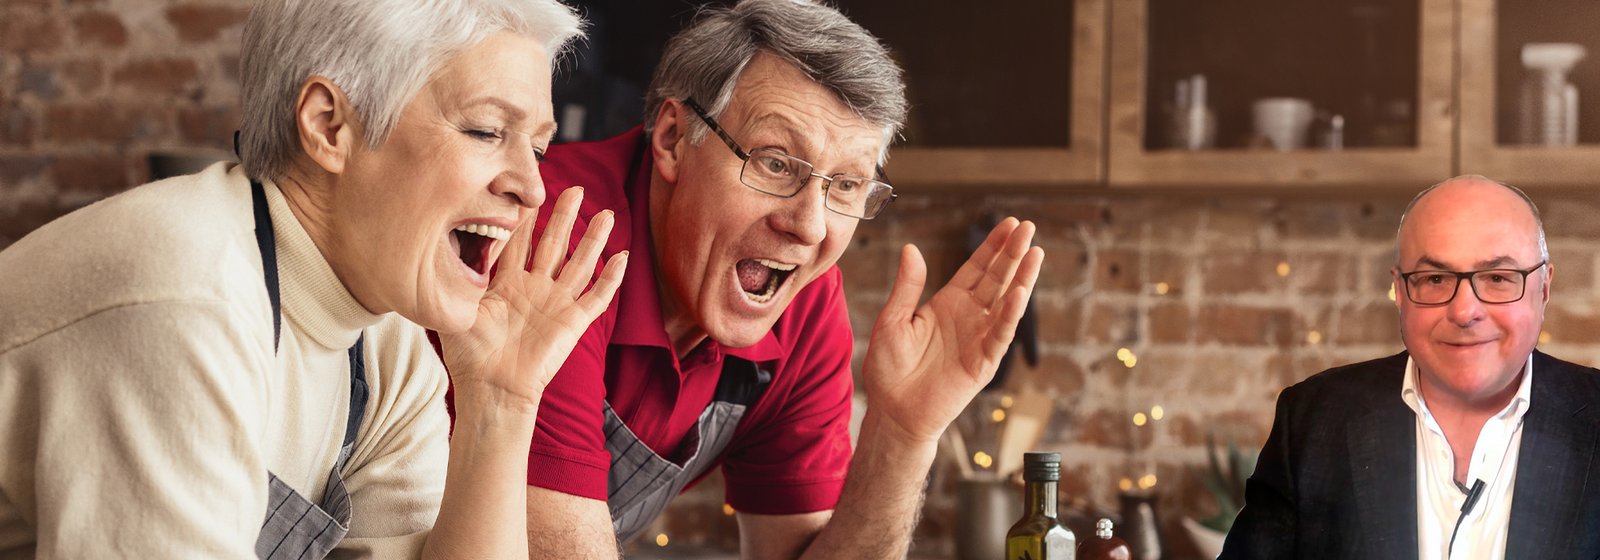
<point>1217,186</point>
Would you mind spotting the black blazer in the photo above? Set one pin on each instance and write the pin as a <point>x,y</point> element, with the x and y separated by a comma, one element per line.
<point>1337,477</point>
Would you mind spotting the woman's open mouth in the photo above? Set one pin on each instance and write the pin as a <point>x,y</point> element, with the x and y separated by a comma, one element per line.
<point>761,278</point>
<point>475,242</point>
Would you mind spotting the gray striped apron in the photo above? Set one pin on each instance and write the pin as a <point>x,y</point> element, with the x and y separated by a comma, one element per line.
<point>641,483</point>
<point>295,528</point>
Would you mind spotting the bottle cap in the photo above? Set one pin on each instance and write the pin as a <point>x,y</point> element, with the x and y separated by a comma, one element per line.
<point>1102,528</point>
<point>1041,467</point>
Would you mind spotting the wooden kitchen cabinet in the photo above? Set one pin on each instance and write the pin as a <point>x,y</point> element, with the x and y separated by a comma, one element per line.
<point>1004,95</point>
<point>1385,66</point>
<point>1492,35</point>
<point>1077,94</point>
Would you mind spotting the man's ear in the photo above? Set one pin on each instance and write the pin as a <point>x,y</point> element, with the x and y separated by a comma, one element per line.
<point>1544,290</point>
<point>1399,291</point>
<point>326,124</point>
<point>668,139</point>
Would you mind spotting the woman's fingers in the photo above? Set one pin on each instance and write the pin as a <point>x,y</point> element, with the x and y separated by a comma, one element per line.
<point>553,241</point>
<point>577,271</point>
<point>599,297</point>
<point>517,249</point>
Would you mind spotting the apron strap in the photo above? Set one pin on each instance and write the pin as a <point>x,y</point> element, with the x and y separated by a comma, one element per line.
<point>358,399</point>
<point>266,241</point>
<point>742,381</point>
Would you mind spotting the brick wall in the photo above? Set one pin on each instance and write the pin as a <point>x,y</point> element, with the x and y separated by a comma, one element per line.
<point>1224,299</point>
<point>89,88</point>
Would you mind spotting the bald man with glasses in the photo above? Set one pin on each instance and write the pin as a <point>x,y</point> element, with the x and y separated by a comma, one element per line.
<point>1471,443</point>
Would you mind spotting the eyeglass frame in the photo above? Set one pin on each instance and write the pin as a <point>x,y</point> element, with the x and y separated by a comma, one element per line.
<point>827,180</point>
<point>1405,280</point>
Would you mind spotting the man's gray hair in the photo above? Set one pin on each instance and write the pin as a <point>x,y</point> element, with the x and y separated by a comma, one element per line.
<point>704,60</point>
<point>1544,249</point>
<point>379,52</point>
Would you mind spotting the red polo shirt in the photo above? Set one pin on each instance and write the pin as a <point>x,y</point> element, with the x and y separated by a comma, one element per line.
<point>791,451</point>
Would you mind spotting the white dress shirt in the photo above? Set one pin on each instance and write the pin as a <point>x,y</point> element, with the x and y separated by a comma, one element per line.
<point>1482,535</point>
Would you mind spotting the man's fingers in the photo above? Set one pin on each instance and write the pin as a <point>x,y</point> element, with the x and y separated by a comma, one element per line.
<point>1027,275</point>
<point>577,271</point>
<point>973,271</point>
<point>1003,326</point>
<point>599,296</point>
<point>997,276</point>
<point>557,233</point>
<point>908,283</point>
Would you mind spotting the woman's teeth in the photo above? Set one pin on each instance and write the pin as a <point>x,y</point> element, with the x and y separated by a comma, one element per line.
<point>486,230</point>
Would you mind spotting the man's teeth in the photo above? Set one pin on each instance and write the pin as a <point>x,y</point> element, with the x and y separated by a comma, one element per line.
<point>781,271</point>
<point>765,295</point>
<point>486,230</point>
<point>775,265</point>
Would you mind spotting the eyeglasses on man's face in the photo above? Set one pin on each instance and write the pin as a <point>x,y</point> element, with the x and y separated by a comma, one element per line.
<point>1495,285</point>
<point>781,174</point>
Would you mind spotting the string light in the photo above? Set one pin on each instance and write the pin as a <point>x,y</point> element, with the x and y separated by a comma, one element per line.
<point>727,509</point>
<point>1147,482</point>
<point>1314,337</point>
<point>1005,401</point>
<point>1162,288</point>
<point>1127,357</point>
<point>982,459</point>
<point>1139,419</point>
<point>999,415</point>
<point>1156,412</point>
<point>1544,337</point>
<point>1283,268</point>
<point>1126,484</point>
<point>661,539</point>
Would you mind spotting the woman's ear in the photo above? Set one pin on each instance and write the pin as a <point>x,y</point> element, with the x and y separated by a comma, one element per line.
<point>326,124</point>
<point>668,138</point>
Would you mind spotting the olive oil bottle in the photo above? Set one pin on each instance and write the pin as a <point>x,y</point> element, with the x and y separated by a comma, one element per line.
<point>1039,535</point>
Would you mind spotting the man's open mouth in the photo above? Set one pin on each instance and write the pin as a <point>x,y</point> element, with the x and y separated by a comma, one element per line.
<point>761,278</point>
<point>473,243</point>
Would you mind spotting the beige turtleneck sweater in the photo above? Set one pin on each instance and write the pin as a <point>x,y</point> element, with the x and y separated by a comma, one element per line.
<point>142,404</point>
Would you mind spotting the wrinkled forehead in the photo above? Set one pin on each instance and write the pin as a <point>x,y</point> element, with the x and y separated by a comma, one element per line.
<point>773,96</point>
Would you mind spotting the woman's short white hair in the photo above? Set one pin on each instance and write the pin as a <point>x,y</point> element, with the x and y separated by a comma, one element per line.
<point>379,52</point>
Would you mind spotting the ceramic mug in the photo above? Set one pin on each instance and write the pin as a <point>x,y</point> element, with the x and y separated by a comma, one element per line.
<point>1284,121</point>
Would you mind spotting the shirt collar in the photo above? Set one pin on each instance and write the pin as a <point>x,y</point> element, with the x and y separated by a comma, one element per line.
<point>1514,409</point>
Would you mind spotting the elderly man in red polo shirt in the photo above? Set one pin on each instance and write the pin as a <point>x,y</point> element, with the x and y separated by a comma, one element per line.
<point>729,342</point>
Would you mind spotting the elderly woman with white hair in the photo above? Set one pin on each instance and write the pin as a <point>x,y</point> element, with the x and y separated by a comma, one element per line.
<point>233,364</point>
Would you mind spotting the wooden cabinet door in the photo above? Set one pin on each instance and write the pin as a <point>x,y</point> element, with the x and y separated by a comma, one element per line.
<point>1385,66</point>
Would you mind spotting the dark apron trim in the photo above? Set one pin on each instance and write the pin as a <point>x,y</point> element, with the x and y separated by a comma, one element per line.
<point>358,397</point>
<point>267,242</point>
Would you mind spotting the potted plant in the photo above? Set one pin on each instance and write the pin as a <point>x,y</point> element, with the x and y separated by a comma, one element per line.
<point>1225,480</point>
